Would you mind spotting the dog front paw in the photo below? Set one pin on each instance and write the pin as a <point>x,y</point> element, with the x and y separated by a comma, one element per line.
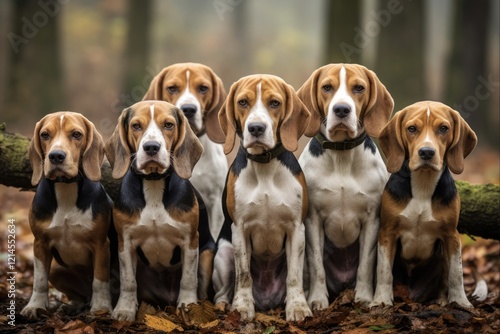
<point>318,303</point>
<point>103,305</point>
<point>38,304</point>
<point>123,314</point>
<point>381,302</point>
<point>33,312</point>
<point>363,295</point>
<point>297,311</point>
<point>245,307</point>
<point>463,302</point>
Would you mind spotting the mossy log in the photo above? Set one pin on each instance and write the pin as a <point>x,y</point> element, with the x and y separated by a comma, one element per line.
<point>479,214</point>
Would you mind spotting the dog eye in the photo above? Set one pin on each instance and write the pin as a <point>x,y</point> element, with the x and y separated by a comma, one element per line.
<point>136,126</point>
<point>203,89</point>
<point>168,125</point>
<point>45,135</point>
<point>412,129</point>
<point>274,103</point>
<point>77,135</point>
<point>358,89</point>
<point>443,129</point>
<point>327,88</point>
<point>172,89</point>
<point>243,103</point>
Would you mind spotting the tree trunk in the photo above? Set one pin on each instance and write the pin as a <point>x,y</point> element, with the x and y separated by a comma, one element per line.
<point>34,75</point>
<point>137,51</point>
<point>479,214</point>
<point>343,40</point>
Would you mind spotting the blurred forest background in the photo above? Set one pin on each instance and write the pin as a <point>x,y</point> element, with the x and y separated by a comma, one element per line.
<point>97,56</point>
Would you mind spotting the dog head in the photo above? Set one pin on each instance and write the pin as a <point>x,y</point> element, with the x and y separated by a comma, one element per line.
<point>156,134</point>
<point>428,134</point>
<point>264,110</point>
<point>63,144</point>
<point>196,90</point>
<point>346,99</point>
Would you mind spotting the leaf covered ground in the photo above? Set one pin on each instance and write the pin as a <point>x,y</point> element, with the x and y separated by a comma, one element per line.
<point>480,261</point>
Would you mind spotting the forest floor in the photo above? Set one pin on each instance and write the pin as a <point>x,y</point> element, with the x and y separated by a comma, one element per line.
<point>481,261</point>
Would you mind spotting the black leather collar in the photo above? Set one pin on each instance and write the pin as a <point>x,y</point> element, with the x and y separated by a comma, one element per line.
<point>266,156</point>
<point>340,145</point>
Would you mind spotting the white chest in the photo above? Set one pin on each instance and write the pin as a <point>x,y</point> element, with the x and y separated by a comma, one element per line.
<point>67,215</point>
<point>267,193</point>
<point>345,191</point>
<point>154,214</point>
<point>419,229</point>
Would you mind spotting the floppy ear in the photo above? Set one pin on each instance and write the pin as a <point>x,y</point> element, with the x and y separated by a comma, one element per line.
<point>308,95</point>
<point>214,130</point>
<point>380,106</point>
<point>391,143</point>
<point>117,148</point>
<point>155,90</point>
<point>464,141</point>
<point>35,154</point>
<point>227,119</point>
<point>94,152</point>
<point>296,119</point>
<point>187,150</point>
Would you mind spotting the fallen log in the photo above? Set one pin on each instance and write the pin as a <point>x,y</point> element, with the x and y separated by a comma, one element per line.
<point>479,214</point>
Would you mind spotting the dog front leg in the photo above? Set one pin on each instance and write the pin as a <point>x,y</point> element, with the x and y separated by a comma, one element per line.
<point>101,296</point>
<point>223,277</point>
<point>315,239</point>
<point>189,279</point>
<point>126,307</point>
<point>243,297</point>
<point>296,304</point>
<point>39,298</point>
<point>386,252</point>
<point>367,260</point>
<point>456,292</point>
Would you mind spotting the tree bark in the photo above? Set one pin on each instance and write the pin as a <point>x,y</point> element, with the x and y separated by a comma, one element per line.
<point>479,214</point>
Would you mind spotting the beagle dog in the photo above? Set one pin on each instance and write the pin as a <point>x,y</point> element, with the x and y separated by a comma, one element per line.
<point>199,93</point>
<point>345,177</point>
<point>420,204</point>
<point>70,215</point>
<point>259,261</point>
<point>165,248</point>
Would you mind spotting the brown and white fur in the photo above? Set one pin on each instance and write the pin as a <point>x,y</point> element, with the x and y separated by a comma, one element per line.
<point>345,177</point>
<point>261,248</point>
<point>70,215</point>
<point>421,205</point>
<point>197,91</point>
<point>164,245</point>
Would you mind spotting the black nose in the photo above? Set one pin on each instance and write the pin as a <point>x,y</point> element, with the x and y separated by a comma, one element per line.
<point>256,129</point>
<point>341,110</point>
<point>151,147</point>
<point>189,110</point>
<point>426,153</point>
<point>57,157</point>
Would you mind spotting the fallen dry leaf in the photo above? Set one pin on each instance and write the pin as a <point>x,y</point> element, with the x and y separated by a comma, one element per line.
<point>161,324</point>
